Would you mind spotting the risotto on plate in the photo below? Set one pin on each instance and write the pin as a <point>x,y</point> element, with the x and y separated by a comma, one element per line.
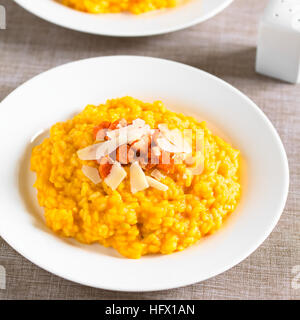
<point>115,6</point>
<point>136,177</point>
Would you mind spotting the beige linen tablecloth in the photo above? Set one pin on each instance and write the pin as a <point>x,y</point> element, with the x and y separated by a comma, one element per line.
<point>223,46</point>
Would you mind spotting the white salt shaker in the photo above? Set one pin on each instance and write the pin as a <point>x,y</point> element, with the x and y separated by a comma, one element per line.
<point>278,48</point>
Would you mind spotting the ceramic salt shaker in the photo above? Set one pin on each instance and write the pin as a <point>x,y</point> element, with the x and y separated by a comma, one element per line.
<point>278,48</point>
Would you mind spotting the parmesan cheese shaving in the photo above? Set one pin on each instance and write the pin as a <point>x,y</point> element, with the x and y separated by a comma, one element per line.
<point>88,153</point>
<point>138,181</point>
<point>91,173</point>
<point>165,145</point>
<point>157,174</point>
<point>109,146</point>
<point>137,133</point>
<point>133,132</point>
<point>138,122</point>
<point>116,176</point>
<point>156,184</point>
<point>175,137</point>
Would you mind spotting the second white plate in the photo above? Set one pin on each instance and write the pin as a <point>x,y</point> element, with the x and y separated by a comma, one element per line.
<point>125,24</point>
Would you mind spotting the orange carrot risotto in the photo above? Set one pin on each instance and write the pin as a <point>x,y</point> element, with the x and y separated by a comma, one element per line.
<point>136,177</point>
<point>114,6</point>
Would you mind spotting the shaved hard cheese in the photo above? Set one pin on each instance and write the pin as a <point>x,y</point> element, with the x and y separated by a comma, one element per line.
<point>138,133</point>
<point>166,145</point>
<point>109,146</point>
<point>138,181</point>
<point>156,184</point>
<point>116,176</point>
<point>88,153</point>
<point>91,173</point>
<point>175,137</point>
<point>138,125</point>
<point>138,122</point>
<point>157,174</point>
<point>130,132</point>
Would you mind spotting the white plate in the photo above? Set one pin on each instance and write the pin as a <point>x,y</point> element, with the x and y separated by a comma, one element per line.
<point>125,24</point>
<point>57,94</point>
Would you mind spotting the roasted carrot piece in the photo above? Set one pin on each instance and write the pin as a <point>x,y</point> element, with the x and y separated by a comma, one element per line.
<point>104,167</point>
<point>166,162</point>
<point>102,125</point>
<point>122,154</point>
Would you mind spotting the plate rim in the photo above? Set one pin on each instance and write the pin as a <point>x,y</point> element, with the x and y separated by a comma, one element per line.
<point>57,22</point>
<point>179,283</point>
